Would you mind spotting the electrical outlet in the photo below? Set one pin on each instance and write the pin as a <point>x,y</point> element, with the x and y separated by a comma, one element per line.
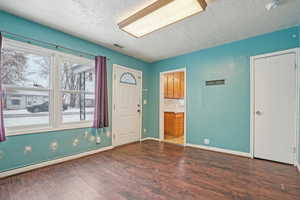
<point>206,141</point>
<point>145,101</point>
<point>108,133</point>
<point>145,130</point>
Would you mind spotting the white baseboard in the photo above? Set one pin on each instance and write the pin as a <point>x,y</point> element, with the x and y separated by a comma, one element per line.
<point>248,155</point>
<point>298,167</point>
<point>238,153</point>
<point>150,138</point>
<point>51,162</point>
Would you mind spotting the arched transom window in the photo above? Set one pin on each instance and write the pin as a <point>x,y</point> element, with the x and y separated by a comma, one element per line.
<point>128,78</point>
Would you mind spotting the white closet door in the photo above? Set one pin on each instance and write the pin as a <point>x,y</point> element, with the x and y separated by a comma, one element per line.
<point>275,107</point>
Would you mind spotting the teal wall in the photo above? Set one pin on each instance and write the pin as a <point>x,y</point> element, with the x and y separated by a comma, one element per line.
<point>12,150</point>
<point>220,113</point>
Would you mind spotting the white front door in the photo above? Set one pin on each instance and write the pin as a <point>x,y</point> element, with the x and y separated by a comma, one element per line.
<point>275,107</point>
<point>127,108</point>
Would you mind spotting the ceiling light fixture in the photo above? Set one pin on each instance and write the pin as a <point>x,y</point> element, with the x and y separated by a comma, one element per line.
<point>161,14</point>
<point>119,46</point>
<point>273,4</point>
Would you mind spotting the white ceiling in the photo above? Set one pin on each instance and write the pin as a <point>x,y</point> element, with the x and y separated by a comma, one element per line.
<point>96,20</point>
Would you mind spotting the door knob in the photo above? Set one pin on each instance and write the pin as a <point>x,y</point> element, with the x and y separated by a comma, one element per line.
<point>258,112</point>
<point>139,110</point>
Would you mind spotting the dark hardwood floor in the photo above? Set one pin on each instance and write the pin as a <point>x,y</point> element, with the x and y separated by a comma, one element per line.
<point>153,170</point>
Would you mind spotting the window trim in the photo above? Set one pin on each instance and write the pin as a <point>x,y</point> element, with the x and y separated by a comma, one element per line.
<point>55,120</point>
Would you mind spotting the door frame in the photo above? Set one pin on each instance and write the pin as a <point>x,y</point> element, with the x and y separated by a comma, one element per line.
<point>161,103</point>
<point>114,84</point>
<point>296,51</point>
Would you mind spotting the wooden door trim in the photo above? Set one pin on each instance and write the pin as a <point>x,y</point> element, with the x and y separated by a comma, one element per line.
<point>296,51</point>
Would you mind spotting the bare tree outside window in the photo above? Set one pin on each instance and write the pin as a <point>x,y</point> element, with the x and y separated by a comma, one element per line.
<point>78,84</point>
<point>21,73</point>
<point>24,69</point>
<point>13,67</point>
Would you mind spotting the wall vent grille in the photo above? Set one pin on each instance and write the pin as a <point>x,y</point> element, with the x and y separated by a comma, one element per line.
<point>215,82</point>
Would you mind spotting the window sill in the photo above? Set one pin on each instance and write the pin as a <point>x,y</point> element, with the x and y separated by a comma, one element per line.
<point>48,129</point>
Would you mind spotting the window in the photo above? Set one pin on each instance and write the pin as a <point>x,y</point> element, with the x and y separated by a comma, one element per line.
<point>128,78</point>
<point>25,78</point>
<point>77,90</point>
<point>45,89</point>
<point>16,102</point>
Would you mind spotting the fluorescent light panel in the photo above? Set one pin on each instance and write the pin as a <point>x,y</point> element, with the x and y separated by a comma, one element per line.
<point>161,14</point>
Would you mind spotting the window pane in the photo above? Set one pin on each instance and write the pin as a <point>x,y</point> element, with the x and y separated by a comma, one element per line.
<point>77,107</point>
<point>76,76</point>
<point>128,78</point>
<point>23,108</point>
<point>24,69</point>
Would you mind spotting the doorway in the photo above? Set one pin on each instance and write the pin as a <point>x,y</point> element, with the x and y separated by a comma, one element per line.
<point>173,106</point>
<point>127,106</point>
<point>274,106</point>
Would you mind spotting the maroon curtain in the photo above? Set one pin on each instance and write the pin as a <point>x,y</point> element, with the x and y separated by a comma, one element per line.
<point>101,98</point>
<point>2,129</point>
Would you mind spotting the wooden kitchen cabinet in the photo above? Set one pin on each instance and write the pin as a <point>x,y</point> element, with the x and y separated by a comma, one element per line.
<point>165,86</point>
<point>170,85</point>
<point>174,124</point>
<point>174,85</point>
<point>181,84</point>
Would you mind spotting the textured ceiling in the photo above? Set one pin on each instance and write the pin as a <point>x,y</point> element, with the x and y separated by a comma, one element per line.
<point>96,20</point>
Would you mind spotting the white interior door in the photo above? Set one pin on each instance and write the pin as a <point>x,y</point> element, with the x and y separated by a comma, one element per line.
<point>127,105</point>
<point>275,107</point>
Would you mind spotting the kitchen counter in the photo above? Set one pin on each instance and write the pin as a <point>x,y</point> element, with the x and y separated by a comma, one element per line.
<point>174,110</point>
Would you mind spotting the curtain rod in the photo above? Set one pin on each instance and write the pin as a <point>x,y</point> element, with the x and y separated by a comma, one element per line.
<point>48,43</point>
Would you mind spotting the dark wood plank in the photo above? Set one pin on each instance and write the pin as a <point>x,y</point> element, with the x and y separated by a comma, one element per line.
<point>153,170</point>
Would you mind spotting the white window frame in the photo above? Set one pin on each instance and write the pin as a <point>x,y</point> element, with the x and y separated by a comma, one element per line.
<point>59,91</point>
<point>55,116</point>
